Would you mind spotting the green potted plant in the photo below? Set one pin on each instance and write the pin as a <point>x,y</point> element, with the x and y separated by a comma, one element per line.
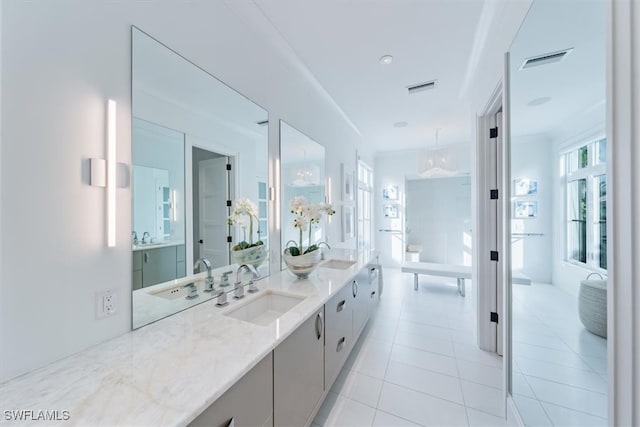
<point>300,260</point>
<point>247,251</point>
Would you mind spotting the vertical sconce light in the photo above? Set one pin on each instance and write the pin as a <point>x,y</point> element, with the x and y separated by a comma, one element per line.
<point>174,210</point>
<point>111,173</point>
<point>103,173</point>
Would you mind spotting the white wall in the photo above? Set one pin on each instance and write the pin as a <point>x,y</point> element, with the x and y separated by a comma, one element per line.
<point>531,157</point>
<point>392,168</point>
<point>439,219</point>
<point>57,73</point>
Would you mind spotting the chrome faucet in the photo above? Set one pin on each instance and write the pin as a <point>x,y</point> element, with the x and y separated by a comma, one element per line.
<point>208,287</point>
<point>321,251</point>
<point>134,236</point>
<point>192,291</point>
<point>146,236</point>
<point>238,290</point>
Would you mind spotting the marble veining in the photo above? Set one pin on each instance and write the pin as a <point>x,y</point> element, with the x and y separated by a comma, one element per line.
<point>168,372</point>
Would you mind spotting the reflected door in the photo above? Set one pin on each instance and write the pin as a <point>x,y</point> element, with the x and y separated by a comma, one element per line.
<point>214,212</point>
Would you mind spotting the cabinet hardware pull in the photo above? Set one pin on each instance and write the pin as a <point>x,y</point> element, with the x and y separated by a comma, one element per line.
<point>319,325</point>
<point>146,257</point>
<point>341,305</point>
<point>373,294</point>
<point>354,288</point>
<point>340,344</point>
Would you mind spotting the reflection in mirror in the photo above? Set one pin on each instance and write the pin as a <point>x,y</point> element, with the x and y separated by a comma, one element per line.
<point>558,225</point>
<point>302,174</point>
<point>197,147</point>
<point>157,156</point>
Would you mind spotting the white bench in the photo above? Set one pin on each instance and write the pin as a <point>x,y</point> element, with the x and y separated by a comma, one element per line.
<point>460,272</point>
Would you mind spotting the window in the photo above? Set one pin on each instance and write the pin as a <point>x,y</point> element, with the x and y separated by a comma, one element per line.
<point>365,185</point>
<point>587,205</point>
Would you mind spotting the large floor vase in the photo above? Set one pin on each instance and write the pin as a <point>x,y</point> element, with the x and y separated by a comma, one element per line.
<point>302,265</point>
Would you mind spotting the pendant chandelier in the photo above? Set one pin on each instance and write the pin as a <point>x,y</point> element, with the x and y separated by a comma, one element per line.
<point>437,162</point>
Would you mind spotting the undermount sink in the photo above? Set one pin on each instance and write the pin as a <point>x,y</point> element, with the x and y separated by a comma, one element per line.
<point>339,264</point>
<point>266,308</point>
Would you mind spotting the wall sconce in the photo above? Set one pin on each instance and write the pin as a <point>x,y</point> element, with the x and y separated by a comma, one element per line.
<point>103,173</point>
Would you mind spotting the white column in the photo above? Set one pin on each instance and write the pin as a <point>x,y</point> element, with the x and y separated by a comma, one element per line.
<point>623,110</point>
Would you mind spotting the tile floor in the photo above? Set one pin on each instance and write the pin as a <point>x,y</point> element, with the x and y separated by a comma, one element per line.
<point>417,363</point>
<point>560,369</point>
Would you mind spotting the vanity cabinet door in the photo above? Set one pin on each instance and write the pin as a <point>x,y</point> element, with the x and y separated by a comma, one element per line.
<point>361,296</point>
<point>137,270</point>
<point>338,331</point>
<point>249,403</point>
<point>298,373</point>
<point>158,265</point>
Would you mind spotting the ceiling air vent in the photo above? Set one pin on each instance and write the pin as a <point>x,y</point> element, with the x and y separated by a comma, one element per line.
<point>547,58</point>
<point>421,86</point>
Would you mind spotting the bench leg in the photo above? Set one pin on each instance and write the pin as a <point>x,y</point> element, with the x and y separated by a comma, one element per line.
<point>461,286</point>
<point>415,281</point>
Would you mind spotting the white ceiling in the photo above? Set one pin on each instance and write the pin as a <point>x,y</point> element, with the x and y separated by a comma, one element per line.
<point>339,43</point>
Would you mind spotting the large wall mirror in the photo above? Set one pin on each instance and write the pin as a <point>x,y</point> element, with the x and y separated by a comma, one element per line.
<point>198,147</point>
<point>302,174</point>
<point>558,214</point>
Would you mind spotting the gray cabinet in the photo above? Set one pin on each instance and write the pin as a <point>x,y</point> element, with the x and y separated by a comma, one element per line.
<point>360,294</point>
<point>298,373</point>
<point>249,403</point>
<point>338,333</point>
<point>157,265</point>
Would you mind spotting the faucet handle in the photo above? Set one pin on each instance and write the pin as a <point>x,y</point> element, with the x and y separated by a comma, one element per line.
<point>238,291</point>
<point>222,299</point>
<point>193,291</point>
<point>208,284</point>
<point>251,287</point>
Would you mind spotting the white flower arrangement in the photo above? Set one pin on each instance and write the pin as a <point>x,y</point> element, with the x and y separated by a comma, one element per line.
<point>306,217</point>
<point>243,214</point>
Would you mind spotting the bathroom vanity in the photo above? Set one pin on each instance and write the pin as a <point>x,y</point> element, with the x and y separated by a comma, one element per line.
<point>267,359</point>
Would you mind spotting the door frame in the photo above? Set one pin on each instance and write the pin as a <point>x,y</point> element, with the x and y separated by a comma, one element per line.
<point>488,279</point>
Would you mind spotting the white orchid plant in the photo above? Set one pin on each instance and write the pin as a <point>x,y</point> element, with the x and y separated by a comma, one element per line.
<point>243,214</point>
<point>306,216</point>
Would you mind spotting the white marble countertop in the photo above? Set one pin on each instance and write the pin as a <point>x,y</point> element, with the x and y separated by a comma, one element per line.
<point>156,245</point>
<point>168,372</point>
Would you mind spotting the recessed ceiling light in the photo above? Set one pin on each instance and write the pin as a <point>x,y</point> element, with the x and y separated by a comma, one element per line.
<point>539,101</point>
<point>386,59</point>
<point>401,124</point>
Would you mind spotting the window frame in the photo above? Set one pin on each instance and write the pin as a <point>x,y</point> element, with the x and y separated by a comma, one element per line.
<point>594,168</point>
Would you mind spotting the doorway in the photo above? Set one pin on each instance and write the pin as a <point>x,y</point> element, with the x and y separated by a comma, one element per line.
<point>211,208</point>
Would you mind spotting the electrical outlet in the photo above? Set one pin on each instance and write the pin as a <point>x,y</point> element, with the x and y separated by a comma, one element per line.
<point>106,304</point>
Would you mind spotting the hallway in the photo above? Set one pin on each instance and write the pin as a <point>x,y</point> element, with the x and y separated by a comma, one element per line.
<point>417,363</point>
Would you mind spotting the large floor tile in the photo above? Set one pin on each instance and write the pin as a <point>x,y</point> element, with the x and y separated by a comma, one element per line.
<point>434,345</point>
<point>425,360</point>
<point>473,353</point>
<point>531,412</point>
<point>589,380</point>
<point>569,418</point>
<point>482,374</point>
<point>482,419</point>
<point>340,411</point>
<point>483,398</point>
<point>424,381</point>
<point>384,419</point>
<point>421,408</point>
<point>570,397</point>
<point>521,386</point>
<point>565,357</point>
<point>421,330</point>
<point>359,387</point>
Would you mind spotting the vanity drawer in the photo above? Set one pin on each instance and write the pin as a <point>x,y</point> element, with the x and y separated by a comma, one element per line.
<point>338,333</point>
